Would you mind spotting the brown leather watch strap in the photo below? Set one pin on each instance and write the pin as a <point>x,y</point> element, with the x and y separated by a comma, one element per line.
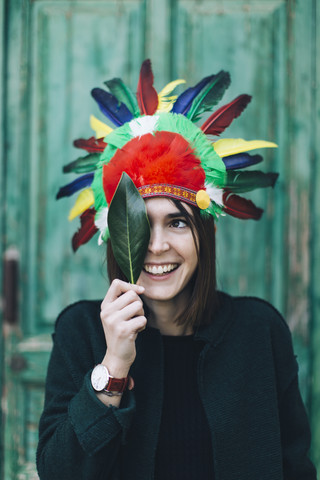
<point>116,384</point>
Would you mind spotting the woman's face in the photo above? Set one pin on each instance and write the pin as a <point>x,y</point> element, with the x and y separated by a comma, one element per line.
<point>171,258</point>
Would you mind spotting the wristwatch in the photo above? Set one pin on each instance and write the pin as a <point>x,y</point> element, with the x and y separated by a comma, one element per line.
<point>103,382</point>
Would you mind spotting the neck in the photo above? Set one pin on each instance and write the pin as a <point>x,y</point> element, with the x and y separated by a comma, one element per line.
<point>163,314</point>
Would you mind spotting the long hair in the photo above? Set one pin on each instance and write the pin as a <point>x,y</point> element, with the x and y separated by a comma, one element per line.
<point>203,301</point>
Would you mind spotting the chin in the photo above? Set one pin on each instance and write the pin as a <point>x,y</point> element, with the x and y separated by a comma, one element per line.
<point>163,294</point>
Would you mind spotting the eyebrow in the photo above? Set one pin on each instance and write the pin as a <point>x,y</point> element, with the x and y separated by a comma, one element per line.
<point>176,215</point>
<point>173,215</point>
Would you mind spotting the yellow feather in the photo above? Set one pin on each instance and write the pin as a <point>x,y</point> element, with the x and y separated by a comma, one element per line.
<point>166,101</point>
<point>231,146</point>
<point>101,129</point>
<point>85,200</point>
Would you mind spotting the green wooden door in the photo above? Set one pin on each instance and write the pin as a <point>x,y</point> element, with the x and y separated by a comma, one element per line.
<point>55,52</point>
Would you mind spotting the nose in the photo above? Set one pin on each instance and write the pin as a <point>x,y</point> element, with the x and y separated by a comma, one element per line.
<point>158,242</point>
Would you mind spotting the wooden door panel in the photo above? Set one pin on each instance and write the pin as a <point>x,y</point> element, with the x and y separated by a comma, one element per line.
<point>74,49</point>
<point>23,400</point>
<point>232,35</point>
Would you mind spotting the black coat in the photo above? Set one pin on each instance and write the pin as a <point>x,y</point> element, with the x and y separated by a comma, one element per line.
<point>247,378</point>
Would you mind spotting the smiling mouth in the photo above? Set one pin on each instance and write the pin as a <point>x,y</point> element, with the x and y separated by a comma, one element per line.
<point>160,269</point>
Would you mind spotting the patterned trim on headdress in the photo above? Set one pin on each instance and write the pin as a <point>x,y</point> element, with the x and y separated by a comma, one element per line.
<point>171,191</point>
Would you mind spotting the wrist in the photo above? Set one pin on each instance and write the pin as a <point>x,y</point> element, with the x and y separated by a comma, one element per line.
<point>117,368</point>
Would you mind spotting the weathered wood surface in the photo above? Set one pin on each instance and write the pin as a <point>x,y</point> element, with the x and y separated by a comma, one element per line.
<point>2,201</point>
<point>56,51</point>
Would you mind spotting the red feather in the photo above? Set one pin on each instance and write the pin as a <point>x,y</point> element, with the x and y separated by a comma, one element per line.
<point>146,94</point>
<point>240,207</point>
<point>87,229</point>
<point>221,119</point>
<point>92,145</point>
<point>162,157</point>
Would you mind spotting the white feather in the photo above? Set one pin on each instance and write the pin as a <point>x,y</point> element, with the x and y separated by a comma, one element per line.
<point>100,240</point>
<point>142,125</point>
<point>101,219</point>
<point>215,194</point>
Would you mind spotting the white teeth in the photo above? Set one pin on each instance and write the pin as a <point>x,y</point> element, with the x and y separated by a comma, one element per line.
<point>159,270</point>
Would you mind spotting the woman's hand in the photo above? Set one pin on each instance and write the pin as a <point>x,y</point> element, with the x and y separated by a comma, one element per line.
<point>122,318</point>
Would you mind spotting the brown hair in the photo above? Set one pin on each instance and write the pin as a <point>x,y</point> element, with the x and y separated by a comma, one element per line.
<point>204,299</point>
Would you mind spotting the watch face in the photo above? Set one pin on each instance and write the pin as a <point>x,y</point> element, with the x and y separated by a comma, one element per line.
<point>99,378</point>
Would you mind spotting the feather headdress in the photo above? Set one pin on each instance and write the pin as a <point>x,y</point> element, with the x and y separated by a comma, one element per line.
<point>157,144</point>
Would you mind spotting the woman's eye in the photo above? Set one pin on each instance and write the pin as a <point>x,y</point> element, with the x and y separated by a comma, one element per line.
<point>178,224</point>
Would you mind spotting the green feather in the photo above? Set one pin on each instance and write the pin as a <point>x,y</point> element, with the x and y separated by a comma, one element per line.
<point>124,95</point>
<point>98,192</point>
<point>85,164</point>
<point>213,210</point>
<point>118,138</point>
<point>209,96</point>
<point>240,181</point>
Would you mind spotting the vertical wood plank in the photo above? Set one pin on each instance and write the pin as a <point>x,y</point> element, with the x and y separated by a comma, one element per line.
<point>2,221</point>
<point>315,237</point>
<point>158,40</point>
<point>16,177</point>
<point>298,180</point>
<point>277,283</point>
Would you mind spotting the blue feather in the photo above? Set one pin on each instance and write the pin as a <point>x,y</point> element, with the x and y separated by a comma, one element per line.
<point>184,101</point>
<point>241,160</point>
<point>77,184</point>
<point>116,111</point>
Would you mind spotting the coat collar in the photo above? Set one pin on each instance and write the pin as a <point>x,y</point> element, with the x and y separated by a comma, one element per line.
<point>221,321</point>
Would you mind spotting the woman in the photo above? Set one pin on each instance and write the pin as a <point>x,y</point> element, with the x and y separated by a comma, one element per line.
<point>168,378</point>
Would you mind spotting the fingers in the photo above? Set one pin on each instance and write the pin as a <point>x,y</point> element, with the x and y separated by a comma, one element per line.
<point>127,298</point>
<point>138,324</point>
<point>122,302</point>
<point>118,287</point>
<point>123,331</point>
<point>112,311</point>
<point>122,318</point>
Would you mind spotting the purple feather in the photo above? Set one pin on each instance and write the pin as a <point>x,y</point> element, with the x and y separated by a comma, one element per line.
<point>117,112</point>
<point>184,101</point>
<point>241,160</point>
<point>77,184</point>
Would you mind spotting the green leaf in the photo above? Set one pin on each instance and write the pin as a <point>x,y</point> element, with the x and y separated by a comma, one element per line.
<point>129,228</point>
